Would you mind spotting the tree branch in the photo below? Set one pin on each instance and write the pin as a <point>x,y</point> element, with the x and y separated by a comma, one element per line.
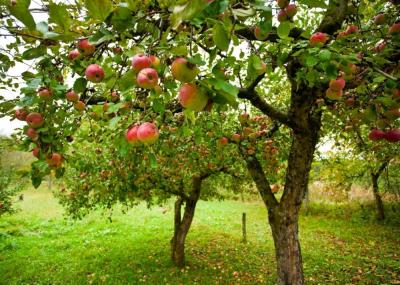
<point>258,102</point>
<point>334,16</point>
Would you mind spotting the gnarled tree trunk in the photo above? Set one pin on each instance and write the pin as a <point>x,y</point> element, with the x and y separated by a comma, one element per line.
<point>380,211</point>
<point>182,224</point>
<point>283,215</point>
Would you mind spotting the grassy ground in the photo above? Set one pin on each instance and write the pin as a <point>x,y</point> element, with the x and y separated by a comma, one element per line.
<point>40,246</point>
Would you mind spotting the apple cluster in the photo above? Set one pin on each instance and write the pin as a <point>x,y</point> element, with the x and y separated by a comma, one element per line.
<point>287,11</point>
<point>318,39</point>
<point>191,96</point>
<point>35,121</point>
<point>145,68</point>
<point>146,133</point>
<point>335,90</point>
<point>392,135</point>
<point>352,29</point>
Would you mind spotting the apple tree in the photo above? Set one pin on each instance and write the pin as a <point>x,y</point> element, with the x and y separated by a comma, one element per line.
<point>140,55</point>
<point>110,165</point>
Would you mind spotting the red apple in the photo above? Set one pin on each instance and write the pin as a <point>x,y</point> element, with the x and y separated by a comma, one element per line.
<point>282,16</point>
<point>244,118</point>
<point>393,135</point>
<point>236,137</point>
<point>291,10</point>
<point>376,134</point>
<point>114,97</point>
<point>380,46</point>
<point>183,70</point>
<point>155,61</point>
<point>79,106</point>
<point>396,93</point>
<point>94,73</point>
<point>247,131</point>
<point>147,133</point>
<point>21,114</point>
<point>73,54</point>
<point>36,152</point>
<point>259,34</point>
<point>380,19</point>
<point>32,133</point>
<point>147,78</point>
<point>392,114</point>
<point>318,39</point>
<point>352,29</point>
<point>85,47</point>
<point>334,95</point>
<point>282,3</point>
<point>337,84</point>
<point>45,93</point>
<point>105,107</point>
<point>35,120</point>
<point>223,141</point>
<point>131,135</point>
<point>117,50</point>
<point>262,70</point>
<point>140,61</point>
<point>192,97</point>
<point>72,96</point>
<point>350,102</point>
<point>275,188</point>
<point>394,29</point>
<point>342,35</point>
<point>54,160</point>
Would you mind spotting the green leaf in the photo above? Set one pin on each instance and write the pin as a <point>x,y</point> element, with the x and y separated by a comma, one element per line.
<point>179,50</point>
<point>114,122</point>
<point>59,15</point>
<point>80,85</point>
<point>36,181</point>
<point>99,9</point>
<point>100,37</point>
<point>127,80</point>
<point>254,67</point>
<point>34,52</point>
<point>266,21</point>
<point>369,115</point>
<point>186,12</point>
<point>325,55</point>
<point>221,36</point>
<point>244,12</point>
<point>122,17</point>
<point>20,10</point>
<point>158,106</point>
<point>153,160</point>
<point>311,60</point>
<point>227,93</point>
<point>284,29</point>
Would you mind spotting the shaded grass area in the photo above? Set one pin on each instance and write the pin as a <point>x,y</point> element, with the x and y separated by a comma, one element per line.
<point>39,245</point>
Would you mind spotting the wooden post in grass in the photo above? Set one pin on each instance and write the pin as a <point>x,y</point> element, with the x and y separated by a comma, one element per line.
<point>49,181</point>
<point>244,240</point>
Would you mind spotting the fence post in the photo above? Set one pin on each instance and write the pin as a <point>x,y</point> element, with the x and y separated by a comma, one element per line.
<point>244,232</point>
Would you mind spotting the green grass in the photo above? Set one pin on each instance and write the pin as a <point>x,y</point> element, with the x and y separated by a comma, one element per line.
<point>39,245</point>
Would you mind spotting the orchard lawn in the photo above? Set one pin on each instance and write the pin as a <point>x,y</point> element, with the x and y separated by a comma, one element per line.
<point>39,245</point>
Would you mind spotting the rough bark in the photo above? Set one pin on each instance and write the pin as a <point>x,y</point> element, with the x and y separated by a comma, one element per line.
<point>284,220</point>
<point>283,215</point>
<point>182,225</point>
